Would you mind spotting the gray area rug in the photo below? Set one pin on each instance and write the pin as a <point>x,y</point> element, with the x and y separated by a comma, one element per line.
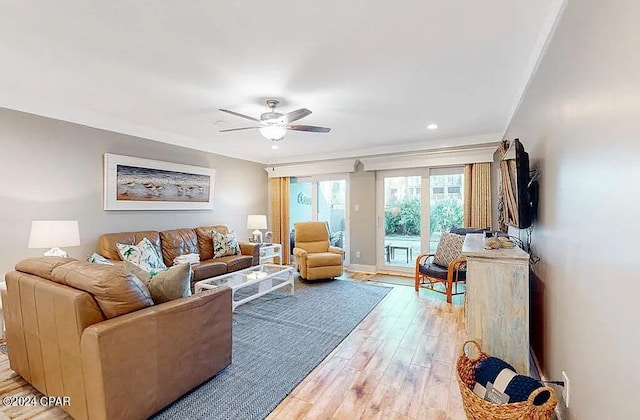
<point>277,341</point>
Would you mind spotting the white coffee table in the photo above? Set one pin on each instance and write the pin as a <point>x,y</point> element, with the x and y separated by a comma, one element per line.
<point>267,278</point>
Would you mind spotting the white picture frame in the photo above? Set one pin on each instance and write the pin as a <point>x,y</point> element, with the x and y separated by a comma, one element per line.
<point>132,183</point>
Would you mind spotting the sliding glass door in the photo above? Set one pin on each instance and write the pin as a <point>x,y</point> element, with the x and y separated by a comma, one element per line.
<point>414,207</point>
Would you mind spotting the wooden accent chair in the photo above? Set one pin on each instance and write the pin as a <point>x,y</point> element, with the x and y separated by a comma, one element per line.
<point>428,273</point>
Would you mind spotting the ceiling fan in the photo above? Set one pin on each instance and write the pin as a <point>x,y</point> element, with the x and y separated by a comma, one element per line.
<point>274,125</point>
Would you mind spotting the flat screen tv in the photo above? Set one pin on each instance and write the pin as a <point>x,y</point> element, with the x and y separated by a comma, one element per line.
<point>520,190</point>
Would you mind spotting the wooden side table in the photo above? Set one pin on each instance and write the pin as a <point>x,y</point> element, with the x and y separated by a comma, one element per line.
<point>271,253</point>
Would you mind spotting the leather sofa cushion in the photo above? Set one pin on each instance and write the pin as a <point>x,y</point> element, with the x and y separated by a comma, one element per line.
<point>207,269</point>
<point>116,292</point>
<point>323,259</point>
<point>41,266</point>
<point>107,242</point>
<point>439,272</point>
<point>236,262</point>
<point>205,243</point>
<point>178,242</point>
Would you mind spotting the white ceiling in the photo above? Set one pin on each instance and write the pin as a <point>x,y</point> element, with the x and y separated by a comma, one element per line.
<point>376,72</point>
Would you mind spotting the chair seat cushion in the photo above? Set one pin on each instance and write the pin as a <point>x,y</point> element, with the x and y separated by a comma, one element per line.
<point>439,272</point>
<point>323,259</point>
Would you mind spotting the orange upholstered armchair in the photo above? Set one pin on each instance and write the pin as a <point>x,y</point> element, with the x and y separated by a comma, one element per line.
<point>315,258</point>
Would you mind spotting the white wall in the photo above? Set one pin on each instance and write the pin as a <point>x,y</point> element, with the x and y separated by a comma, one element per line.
<point>579,120</point>
<point>51,169</point>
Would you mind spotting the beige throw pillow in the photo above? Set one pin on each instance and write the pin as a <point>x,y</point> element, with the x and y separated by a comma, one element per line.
<point>170,284</point>
<point>449,248</point>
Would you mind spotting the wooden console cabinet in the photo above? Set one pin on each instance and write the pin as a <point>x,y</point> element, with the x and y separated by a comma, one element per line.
<point>497,301</point>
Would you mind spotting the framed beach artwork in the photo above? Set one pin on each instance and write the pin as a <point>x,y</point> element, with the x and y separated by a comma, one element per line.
<point>132,183</point>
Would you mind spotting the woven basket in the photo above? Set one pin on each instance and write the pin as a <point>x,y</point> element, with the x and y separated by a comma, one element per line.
<point>479,409</point>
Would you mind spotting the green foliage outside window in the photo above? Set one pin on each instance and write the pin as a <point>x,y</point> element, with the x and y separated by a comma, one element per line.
<point>445,214</point>
<point>403,218</point>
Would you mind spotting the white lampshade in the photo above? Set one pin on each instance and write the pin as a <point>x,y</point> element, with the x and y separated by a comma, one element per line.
<point>54,233</point>
<point>256,221</point>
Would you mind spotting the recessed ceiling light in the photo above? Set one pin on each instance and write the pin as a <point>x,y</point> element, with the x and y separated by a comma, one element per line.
<point>275,146</point>
<point>432,126</point>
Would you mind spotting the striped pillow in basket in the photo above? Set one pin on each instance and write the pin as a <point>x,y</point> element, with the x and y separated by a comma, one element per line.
<point>498,382</point>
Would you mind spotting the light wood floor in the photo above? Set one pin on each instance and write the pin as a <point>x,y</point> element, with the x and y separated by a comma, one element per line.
<point>399,363</point>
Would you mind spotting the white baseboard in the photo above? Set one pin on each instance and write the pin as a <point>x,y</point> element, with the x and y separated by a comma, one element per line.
<point>361,268</point>
<point>560,412</point>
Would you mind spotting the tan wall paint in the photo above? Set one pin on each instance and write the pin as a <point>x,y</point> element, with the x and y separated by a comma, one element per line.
<point>579,120</point>
<point>51,169</point>
<point>362,223</point>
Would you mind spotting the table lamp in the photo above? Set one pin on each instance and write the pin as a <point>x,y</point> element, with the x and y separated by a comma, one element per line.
<point>54,234</point>
<point>257,222</point>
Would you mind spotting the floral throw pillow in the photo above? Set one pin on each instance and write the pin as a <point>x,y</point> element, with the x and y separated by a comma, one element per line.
<point>224,245</point>
<point>143,255</point>
<point>96,258</point>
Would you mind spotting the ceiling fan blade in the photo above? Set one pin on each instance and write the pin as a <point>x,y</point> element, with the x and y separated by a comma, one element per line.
<point>237,129</point>
<point>295,115</point>
<point>237,114</point>
<point>311,128</point>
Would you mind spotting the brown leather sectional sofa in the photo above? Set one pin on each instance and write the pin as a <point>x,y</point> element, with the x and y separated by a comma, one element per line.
<point>172,243</point>
<point>89,332</point>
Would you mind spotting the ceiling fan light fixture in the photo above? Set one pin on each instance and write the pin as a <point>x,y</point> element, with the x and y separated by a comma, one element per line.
<point>275,146</point>
<point>273,132</point>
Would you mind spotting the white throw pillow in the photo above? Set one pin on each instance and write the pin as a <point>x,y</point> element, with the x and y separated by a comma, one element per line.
<point>144,255</point>
<point>224,245</point>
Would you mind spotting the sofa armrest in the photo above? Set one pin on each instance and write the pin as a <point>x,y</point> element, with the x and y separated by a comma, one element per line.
<point>250,248</point>
<point>172,348</point>
<point>336,250</point>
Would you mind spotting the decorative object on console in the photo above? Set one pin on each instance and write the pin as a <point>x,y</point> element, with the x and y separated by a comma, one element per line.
<point>268,237</point>
<point>257,222</point>
<point>132,183</point>
<point>54,234</point>
<point>498,243</point>
<point>224,244</point>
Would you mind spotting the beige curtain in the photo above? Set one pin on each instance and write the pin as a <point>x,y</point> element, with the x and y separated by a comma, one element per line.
<point>477,195</point>
<point>279,189</point>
